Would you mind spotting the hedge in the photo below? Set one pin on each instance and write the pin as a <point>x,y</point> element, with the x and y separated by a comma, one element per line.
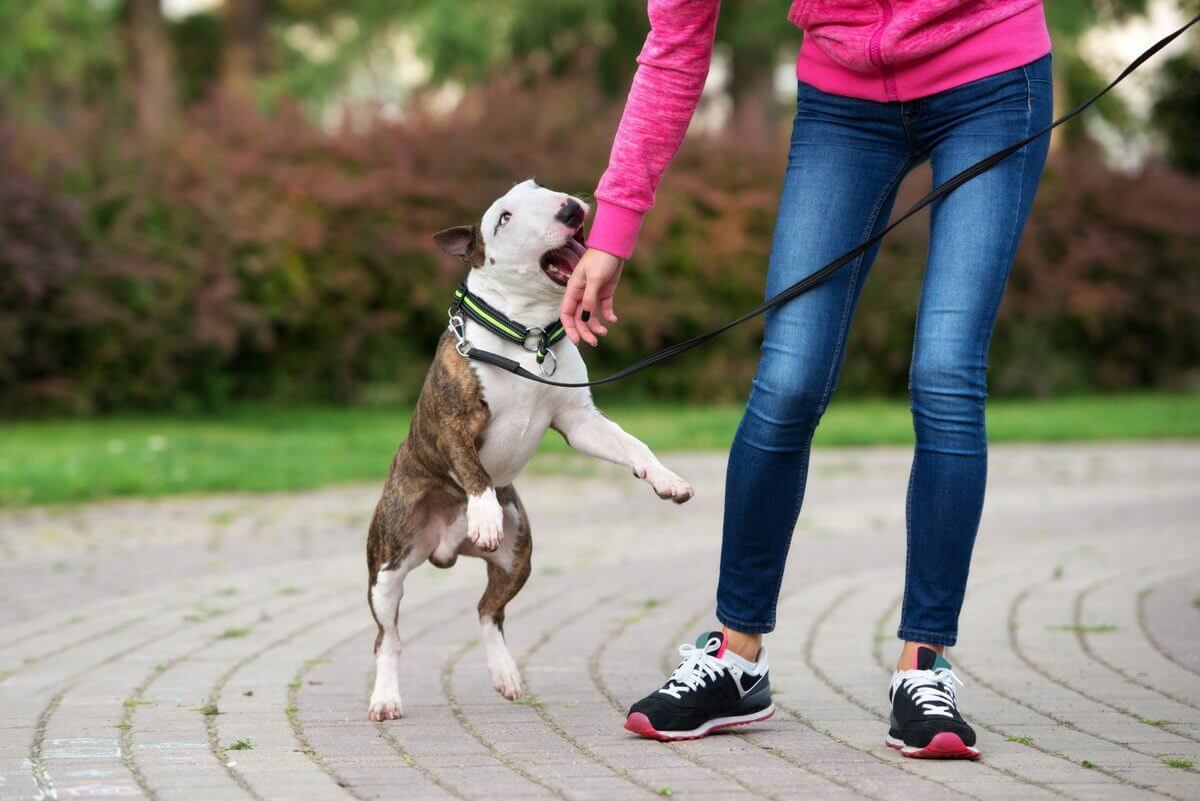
<point>266,257</point>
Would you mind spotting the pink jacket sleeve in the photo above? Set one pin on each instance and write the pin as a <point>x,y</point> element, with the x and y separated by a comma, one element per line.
<point>672,68</point>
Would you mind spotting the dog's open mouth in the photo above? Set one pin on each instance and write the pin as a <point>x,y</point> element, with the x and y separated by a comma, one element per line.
<point>558,264</point>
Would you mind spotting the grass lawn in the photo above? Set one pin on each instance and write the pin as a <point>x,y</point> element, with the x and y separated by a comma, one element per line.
<point>262,449</point>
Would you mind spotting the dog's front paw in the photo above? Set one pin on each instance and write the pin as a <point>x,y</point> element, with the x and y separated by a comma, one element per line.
<point>668,486</point>
<point>485,520</point>
<point>385,706</point>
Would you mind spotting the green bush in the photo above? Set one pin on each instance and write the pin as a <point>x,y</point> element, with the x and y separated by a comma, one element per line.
<point>265,257</point>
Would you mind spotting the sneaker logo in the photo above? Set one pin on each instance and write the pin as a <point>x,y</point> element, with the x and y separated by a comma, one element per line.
<point>747,682</point>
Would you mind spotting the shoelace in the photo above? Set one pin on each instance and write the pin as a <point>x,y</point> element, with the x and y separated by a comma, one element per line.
<point>932,691</point>
<point>697,667</point>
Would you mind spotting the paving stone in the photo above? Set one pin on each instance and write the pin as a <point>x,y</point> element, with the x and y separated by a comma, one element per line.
<point>1080,642</point>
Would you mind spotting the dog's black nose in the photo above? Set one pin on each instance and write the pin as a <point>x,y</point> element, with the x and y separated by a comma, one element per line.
<point>571,213</point>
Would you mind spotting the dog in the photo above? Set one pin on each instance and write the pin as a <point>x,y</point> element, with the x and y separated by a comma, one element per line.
<point>475,427</point>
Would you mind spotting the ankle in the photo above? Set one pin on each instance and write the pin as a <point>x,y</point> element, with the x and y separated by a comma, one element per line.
<point>908,654</point>
<point>747,646</point>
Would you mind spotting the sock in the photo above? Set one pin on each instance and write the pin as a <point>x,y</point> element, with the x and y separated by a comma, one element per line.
<point>743,663</point>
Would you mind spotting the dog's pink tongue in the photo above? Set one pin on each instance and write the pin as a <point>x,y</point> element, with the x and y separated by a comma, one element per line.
<point>573,250</point>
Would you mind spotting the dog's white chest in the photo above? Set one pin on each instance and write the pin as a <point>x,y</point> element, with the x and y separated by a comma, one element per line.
<point>518,417</point>
<point>519,411</point>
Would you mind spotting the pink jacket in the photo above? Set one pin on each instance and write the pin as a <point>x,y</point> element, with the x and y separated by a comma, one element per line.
<point>882,50</point>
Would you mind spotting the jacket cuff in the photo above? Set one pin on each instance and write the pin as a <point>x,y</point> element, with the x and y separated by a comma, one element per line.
<point>614,229</point>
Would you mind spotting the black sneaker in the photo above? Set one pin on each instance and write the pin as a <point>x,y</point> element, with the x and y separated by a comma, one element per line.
<point>925,719</point>
<point>709,690</point>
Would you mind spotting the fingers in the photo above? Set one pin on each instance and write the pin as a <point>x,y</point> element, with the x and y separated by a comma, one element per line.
<point>590,315</point>
<point>606,309</point>
<point>571,304</point>
<point>588,301</point>
<point>583,313</point>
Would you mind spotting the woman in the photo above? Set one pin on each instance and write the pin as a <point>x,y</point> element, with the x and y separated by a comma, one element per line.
<point>883,86</point>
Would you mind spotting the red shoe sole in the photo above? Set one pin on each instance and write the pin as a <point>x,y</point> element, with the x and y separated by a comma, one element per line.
<point>946,745</point>
<point>640,725</point>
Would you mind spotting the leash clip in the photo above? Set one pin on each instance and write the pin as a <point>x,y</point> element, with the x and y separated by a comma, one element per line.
<point>457,327</point>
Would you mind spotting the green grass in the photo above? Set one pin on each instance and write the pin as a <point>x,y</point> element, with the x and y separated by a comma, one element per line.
<point>1185,764</point>
<point>258,449</point>
<point>241,745</point>
<point>1012,738</point>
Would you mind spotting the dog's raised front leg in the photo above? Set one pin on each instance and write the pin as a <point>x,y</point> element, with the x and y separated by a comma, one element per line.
<point>588,431</point>
<point>485,518</point>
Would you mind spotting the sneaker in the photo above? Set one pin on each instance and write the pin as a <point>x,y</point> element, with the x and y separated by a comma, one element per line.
<point>925,719</point>
<point>711,689</point>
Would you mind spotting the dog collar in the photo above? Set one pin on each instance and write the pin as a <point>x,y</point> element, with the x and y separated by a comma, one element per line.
<point>533,338</point>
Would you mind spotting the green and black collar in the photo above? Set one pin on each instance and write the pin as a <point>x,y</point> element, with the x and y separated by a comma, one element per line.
<point>533,338</point>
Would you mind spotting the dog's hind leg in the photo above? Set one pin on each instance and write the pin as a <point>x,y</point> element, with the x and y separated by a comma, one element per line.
<point>386,590</point>
<point>507,570</point>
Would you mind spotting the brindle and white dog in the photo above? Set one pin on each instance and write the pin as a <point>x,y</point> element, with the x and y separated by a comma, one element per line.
<point>450,490</point>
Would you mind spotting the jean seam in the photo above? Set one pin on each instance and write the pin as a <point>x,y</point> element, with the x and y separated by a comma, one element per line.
<point>908,133</point>
<point>908,491</point>
<point>908,507</point>
<point>1011,254</point>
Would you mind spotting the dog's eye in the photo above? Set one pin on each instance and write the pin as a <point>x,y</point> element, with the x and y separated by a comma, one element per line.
<point>505,216</point>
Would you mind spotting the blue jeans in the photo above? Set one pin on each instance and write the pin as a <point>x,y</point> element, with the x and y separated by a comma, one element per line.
<point>847,159</point>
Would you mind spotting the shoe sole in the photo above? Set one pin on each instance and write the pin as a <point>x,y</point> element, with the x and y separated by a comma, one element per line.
<point>946,745</point>
<point>639,724</point>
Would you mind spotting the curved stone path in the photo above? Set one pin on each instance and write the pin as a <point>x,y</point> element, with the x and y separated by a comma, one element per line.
<point>220,647</point>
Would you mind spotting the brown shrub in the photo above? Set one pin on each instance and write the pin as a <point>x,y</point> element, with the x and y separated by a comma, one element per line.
<point>262,257</point>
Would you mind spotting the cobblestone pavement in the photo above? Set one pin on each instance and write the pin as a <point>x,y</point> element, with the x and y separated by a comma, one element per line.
<point>124,627</point>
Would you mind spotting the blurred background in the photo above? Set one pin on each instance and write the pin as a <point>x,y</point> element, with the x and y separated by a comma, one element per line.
<point>217,272</point>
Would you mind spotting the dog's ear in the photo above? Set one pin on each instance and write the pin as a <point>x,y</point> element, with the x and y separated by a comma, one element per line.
<point>463,241</point>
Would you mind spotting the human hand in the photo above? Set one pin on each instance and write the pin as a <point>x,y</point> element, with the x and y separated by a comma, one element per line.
<point>589,296</point>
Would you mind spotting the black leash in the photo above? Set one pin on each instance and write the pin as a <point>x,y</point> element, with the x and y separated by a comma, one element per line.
<point>829,269</point>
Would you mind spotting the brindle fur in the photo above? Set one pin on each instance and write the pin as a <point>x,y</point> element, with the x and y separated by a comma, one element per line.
<point>432,473</point>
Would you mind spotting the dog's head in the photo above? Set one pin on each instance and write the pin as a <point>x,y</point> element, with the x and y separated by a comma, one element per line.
<point>531,238</point>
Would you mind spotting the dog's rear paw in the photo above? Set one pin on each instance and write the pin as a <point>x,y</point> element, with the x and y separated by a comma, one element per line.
<point>506,678</point>
<point>385,708</point>
<point>669,486</point>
